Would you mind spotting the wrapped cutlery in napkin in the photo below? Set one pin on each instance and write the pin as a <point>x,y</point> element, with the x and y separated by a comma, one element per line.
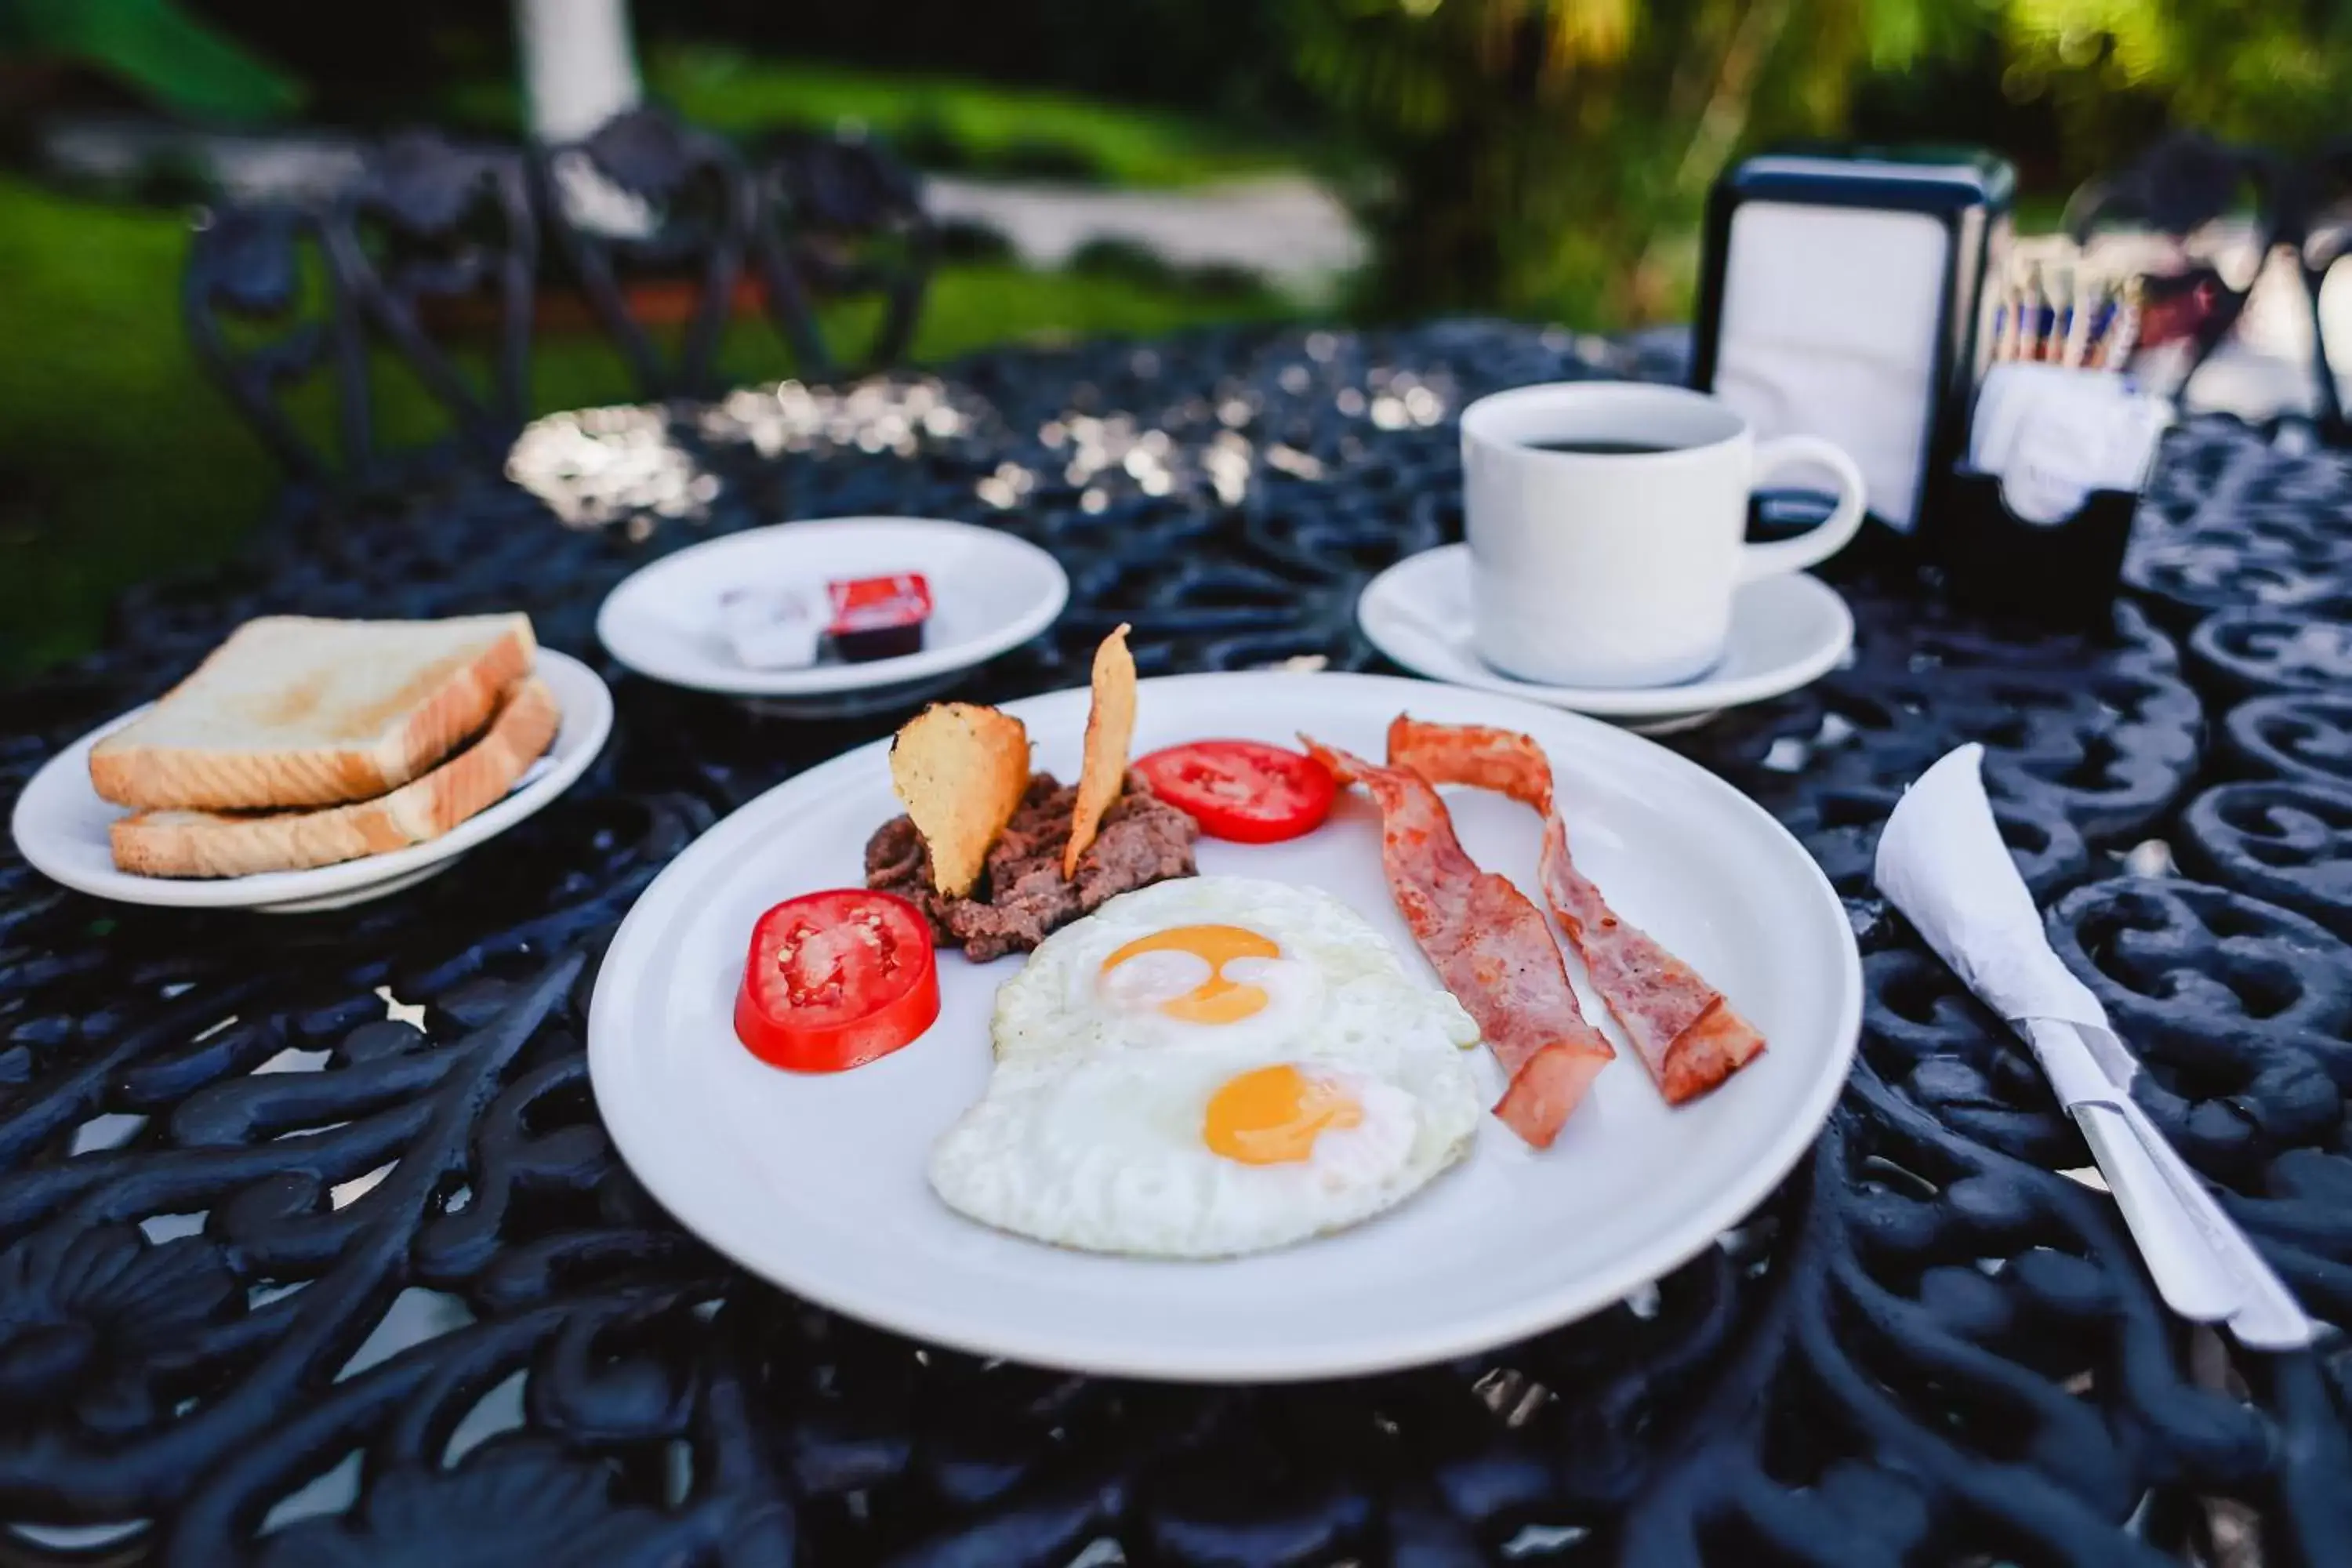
<point>1941,861</point>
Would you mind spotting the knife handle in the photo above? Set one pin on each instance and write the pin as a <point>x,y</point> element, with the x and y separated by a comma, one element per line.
<point>2192,1279</point>
<point>2268,1317</point>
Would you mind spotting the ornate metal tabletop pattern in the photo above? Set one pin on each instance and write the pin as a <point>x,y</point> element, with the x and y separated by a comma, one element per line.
<point>312,1250</point>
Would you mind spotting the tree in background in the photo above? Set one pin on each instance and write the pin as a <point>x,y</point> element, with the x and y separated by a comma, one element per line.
<point>2277,74</point>
<point>1552,156</point>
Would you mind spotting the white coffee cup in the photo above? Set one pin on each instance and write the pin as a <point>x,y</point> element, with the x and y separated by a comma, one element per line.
<point>1616,569</point>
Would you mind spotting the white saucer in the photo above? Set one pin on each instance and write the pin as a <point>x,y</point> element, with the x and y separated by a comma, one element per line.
<point>60,823</point>
<point>990,592</point>
<point>1786,632</point>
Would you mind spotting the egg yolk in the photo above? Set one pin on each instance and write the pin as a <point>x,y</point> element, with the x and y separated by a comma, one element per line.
<point>1272,1116</point>
<point>1215,1000</point>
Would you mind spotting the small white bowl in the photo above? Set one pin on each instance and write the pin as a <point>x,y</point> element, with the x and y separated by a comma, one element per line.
<point>60,823</point>
<point>990,592</point>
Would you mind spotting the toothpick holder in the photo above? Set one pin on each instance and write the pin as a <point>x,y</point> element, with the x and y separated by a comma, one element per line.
<point>2062,574</point>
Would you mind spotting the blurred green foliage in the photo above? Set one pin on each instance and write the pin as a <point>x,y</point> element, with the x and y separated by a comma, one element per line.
<point>157,49</point>
<point>1552,157</point>
<point>945,122</point>
<point>941,123</point>
<point>2279,73</point>
<point>373,65</point>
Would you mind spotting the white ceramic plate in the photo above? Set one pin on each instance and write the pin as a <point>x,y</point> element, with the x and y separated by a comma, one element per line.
<point>61,821</point>
<point>817,1182</point>
<point>1786,632</point>
<point>990,592</point>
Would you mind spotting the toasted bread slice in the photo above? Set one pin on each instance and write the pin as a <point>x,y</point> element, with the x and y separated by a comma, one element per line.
<point>210,844</point>
<point>960,770</point>
<point>1110,725</point>
<point>293,712</point>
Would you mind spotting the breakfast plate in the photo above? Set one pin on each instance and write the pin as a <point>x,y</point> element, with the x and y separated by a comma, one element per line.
<point>61,821</point>
<point>1787,631</point>
<point>817,1182</point>
<point>990,591</point>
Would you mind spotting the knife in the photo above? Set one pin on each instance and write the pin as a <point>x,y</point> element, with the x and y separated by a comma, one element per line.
<point>1941,861</point>
<point>2203,1266</point>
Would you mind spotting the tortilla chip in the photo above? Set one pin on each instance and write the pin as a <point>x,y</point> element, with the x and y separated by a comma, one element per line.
<point>958,768</point>
<point>1110,725</point>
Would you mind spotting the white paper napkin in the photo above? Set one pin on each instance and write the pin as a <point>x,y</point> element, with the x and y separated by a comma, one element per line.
<point>1941,861</point>
<point>2055,433</point>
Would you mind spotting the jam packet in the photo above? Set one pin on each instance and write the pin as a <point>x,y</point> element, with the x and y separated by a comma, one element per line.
<point>877,617</point>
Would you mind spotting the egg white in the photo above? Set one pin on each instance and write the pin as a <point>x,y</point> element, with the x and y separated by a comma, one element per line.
<point>1090,1132</point>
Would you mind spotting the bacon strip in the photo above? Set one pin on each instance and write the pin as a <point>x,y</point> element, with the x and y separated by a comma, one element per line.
<point>1490,946</point>
<point>1688,1034</point>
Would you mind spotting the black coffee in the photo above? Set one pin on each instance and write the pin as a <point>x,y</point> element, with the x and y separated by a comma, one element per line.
<point>1597,448</point>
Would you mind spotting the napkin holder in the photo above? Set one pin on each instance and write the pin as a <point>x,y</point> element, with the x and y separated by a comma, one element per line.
<point>1839,296</point>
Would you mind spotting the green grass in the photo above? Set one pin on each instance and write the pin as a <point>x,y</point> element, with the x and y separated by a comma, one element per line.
<point>119,461</point>
<point>975,126</point>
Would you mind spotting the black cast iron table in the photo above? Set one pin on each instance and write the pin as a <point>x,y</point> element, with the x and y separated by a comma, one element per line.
<point>312,1250</point>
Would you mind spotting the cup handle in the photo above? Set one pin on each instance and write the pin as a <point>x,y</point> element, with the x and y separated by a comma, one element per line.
<point>1824,539</point>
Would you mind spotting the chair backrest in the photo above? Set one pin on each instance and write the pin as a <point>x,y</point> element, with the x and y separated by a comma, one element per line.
<point>437,240</point>
<point>2184,183</point>
<point>644,198</point>
<point>260,328</point>
<point>834,219</point>
<point>431,233</point>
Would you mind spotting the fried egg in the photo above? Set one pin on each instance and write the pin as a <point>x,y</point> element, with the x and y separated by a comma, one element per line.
<point>1208,1067</point>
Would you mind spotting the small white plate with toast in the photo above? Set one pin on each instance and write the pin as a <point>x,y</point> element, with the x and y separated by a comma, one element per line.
<point>64,828</point>
<point>990,591</point>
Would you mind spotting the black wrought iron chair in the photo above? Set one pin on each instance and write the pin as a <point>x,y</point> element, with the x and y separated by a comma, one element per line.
<point>2183,185</point>
<point>432,237</point>
<point>266,316</point>
<point>839,218</point>
<point>646,199</point>
<point>437,241</point>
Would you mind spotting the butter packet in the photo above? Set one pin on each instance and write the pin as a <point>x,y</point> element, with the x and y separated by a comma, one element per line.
<point>772,628</point>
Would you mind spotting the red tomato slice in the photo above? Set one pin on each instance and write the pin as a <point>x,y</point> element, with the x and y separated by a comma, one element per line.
<point>1242,790</point>
<point>837,979</point>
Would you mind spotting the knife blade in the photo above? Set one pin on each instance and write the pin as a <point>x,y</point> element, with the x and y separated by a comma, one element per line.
<point>2188,1274</point>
